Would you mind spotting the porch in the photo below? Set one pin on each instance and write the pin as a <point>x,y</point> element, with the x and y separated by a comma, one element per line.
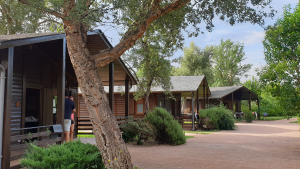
<point>38,71</point>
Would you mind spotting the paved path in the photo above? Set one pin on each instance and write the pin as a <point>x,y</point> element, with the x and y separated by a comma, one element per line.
<point>257,145</point>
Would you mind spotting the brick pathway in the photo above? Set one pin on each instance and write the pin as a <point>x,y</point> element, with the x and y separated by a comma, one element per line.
<point>257,145</point>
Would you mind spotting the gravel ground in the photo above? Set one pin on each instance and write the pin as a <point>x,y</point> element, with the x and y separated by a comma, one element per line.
<point>257,145</point>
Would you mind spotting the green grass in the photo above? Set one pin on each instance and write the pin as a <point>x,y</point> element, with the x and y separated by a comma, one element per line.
<point>294,122</point>
<point>201,132</point>
<point>272,118</point>
<point>187,137</point>
<point>85,136</point>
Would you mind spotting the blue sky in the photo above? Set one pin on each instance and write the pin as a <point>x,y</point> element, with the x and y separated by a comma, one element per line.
<point>251,35</point>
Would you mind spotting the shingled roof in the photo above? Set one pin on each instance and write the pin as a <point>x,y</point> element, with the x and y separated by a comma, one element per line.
<point>180,84</point>
<point>4,38</point>
<point>219,92</point>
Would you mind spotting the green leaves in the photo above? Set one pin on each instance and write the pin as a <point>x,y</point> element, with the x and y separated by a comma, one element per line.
<point>282,54</point>
<point>220,64</point>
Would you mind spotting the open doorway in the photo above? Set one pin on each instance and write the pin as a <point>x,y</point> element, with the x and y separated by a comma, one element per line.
<point>32,111</point>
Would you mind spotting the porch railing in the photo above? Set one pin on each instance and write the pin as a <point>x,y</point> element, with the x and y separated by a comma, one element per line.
<point>42,136</point>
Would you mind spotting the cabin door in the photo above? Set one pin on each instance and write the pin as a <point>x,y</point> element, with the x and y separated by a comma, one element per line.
<point>48,107</point>
<point>33,108</point>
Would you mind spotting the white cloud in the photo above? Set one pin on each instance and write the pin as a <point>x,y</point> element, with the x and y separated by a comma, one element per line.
<point>253,37</point>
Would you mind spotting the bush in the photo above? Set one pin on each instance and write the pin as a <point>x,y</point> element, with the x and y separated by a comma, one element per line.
<point>220,117</point>
<point>68,155</point>
<point>140,128</point>
<point>249,117</point>
<point>168,130</point>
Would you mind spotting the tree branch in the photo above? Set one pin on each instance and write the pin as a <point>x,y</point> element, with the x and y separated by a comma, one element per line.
<point>50,11</point>
<point>48,21</point>
<point>132,35</point>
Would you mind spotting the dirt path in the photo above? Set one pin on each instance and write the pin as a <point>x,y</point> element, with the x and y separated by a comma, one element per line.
<point>257,145</point>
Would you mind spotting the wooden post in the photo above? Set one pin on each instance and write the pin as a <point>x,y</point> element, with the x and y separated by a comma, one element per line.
<point>61,80</point>
<point>249,101</point>
<point>126,98</point>
<point>197,97</point>
<point>204,99</point>
<point>7,63</point>
<point>232,107</point>
<point>193,111</point>
<point>207,95</point>
<point>111,86</point>
<point>222,101</point>
<point>258,112</point>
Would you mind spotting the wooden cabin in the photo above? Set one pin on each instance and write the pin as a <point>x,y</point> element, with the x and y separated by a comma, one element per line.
<point>183,87</point>
<point>230,96</point>
<point>37,73</point>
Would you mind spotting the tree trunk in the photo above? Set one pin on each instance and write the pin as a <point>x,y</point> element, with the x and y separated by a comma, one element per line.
<point>147,94</point>
<point>147,104</point>
<point>107,133</point>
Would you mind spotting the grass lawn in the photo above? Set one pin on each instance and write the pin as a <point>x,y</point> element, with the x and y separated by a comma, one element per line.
<point>294,122</point>
<point>271,118</point>
<point>187,137</point>
<point>85,135</point>
<point>201,132</point>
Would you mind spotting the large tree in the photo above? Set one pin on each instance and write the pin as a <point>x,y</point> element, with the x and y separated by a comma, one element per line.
<point>196,61</point>
<point>79,16</point>
<point>228,68</point>
<point>282,54</point>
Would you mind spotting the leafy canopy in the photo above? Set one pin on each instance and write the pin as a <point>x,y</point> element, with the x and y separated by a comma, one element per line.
<point>221,64</point>
<point>196,61</point>
<point>282,54</point>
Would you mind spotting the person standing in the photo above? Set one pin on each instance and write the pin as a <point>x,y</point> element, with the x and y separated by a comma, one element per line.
<point>69,110</point>
<point>72,121</point>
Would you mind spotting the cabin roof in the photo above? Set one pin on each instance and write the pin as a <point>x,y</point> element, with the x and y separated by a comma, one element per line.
<point>180,84</point>
<point>220,92</point>
<point>7,41</point>
<point>5,38</point>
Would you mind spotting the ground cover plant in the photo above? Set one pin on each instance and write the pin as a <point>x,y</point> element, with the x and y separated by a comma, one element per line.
<point>168,130</point>
<point>187,137</point>
<point>201,132</point>
<point>139,128</point>
<point>272,118</point>
<point>66,156</point>
<point>218,118</point>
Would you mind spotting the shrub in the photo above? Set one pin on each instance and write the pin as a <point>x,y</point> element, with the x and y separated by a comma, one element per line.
<point>220,117</point>
<point>140,128</point>
<point>249,117</point>
<point>168,130</point>
<point>68,155</point>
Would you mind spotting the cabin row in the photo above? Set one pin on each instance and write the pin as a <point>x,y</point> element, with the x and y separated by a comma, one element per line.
<point>189,92</point>
<point>35,72</point>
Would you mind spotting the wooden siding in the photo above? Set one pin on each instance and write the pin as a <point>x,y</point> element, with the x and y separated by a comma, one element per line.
<point>17,91</point>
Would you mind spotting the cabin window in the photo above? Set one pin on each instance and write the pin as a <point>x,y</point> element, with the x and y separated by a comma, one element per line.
<point>54,104</point>
<point>160,104</point>
<point>140,108</point>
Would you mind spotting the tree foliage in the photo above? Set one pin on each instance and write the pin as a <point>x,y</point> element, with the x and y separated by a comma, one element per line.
<point>282,54</point>
<point>196,61</point>
<point>228,68</point>
<point>221,64</point>
<point>19,18</point>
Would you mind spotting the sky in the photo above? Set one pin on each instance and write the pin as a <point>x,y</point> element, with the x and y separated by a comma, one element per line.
<point>247,33</point>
